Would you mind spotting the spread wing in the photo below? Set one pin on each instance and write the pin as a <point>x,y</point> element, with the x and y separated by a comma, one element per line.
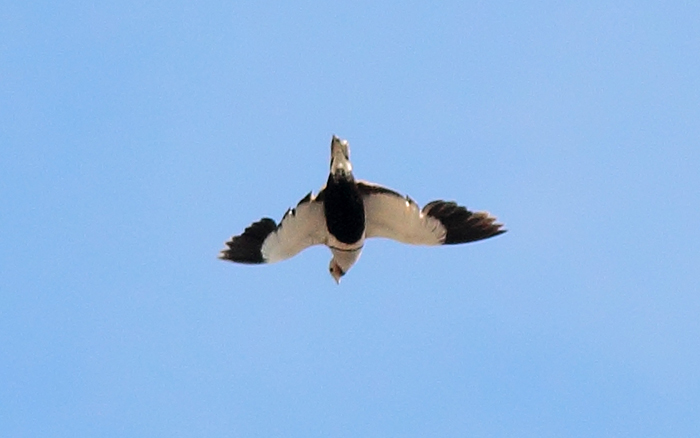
<point>266,242</point>
<point>394,216</point>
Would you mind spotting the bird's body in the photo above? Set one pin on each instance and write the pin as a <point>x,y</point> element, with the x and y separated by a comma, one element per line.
<point>346,212</point>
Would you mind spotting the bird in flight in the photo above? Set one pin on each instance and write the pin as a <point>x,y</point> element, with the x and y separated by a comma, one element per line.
<point>346,212</point>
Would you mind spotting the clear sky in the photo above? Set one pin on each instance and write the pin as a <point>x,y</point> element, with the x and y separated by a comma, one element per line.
<point>135,138</point>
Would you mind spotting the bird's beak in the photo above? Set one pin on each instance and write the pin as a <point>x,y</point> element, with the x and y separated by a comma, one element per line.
<point>336,272</point>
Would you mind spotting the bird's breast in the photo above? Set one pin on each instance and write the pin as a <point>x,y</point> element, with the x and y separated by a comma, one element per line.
<point>344,210</point>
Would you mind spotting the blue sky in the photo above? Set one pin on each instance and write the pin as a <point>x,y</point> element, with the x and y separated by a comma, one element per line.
<point>136,138</point>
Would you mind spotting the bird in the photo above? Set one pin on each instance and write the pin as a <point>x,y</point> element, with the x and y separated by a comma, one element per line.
<point>346,212</point>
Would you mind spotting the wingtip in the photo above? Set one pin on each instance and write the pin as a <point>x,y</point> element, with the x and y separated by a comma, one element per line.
<point>499,230</point>
<point>462,225</point>
<point>246,248</point>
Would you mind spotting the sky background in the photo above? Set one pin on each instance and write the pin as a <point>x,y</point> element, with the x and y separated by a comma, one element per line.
<point>135,138</point>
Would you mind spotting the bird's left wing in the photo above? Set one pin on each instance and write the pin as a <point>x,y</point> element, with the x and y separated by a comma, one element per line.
<point>266,242</point>
<point>394,216</point>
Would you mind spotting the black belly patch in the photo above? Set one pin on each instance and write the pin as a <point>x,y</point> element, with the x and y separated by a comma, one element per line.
<point>344,209</point>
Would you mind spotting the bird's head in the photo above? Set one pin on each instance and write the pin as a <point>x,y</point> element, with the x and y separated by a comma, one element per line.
<point>336,271</point>
<point>342,261</point>
<point>340,157</point>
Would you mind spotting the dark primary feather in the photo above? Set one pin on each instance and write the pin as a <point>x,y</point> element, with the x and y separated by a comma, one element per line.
<point>268,242</point>
<point>246,248</point>
<point>461,224</point>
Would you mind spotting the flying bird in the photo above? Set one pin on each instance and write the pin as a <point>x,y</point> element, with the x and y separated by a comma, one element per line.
<point>346,212</point>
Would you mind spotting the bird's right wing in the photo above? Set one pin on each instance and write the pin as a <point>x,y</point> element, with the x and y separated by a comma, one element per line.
<point>394,216</point>
<point>266,242</point>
